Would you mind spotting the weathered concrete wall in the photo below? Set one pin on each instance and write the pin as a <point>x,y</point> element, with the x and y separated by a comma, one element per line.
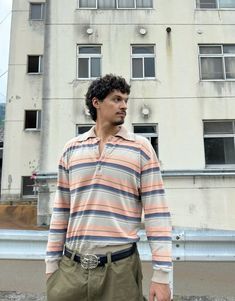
<point>24,92</point>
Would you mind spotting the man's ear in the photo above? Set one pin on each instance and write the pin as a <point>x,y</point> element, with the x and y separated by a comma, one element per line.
<point>95,102</point>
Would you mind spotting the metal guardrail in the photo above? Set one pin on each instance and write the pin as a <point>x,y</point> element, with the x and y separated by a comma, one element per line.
<point>188,245</point>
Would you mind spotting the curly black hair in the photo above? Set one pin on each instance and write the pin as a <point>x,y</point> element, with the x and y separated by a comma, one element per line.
<point>103,86</point>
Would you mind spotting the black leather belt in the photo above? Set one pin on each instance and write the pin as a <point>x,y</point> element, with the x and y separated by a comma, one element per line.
<point>91,261</point>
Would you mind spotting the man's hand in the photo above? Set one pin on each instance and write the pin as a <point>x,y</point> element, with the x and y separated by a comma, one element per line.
<point>160,291</point>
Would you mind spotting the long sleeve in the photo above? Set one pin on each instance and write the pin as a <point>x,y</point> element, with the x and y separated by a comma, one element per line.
<point>60,217</point>
<point>157,215</point>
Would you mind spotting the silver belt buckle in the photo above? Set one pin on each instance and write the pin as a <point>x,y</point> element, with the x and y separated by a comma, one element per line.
<point>89,261</point>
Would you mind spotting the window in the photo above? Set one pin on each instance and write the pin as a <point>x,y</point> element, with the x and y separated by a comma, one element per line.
<point>35,63</point>
<point>215,4</point>
<point>37,11</point>
<point>217,62</point>
<point>219,142</point>
<point>150,132</point>
<point>115,4</point>
<point>81,129</point>
<point>143,62</point>
<point>28,188</point>
<point>89,62</point>
<point>32,120</point>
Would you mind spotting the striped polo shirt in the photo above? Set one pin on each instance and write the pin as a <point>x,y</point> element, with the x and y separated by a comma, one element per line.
<point>100,198</point>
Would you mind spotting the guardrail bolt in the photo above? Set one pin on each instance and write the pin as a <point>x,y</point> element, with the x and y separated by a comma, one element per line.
<point>177,258</point>
<point>177,245</point>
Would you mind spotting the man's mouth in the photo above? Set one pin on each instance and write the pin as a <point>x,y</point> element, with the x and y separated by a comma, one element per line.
<point>121,114</point>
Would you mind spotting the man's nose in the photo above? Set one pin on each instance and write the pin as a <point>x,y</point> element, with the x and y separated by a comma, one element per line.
<point>124,104</point>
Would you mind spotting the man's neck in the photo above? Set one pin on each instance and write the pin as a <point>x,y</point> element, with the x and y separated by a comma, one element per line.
<point>105,131</point>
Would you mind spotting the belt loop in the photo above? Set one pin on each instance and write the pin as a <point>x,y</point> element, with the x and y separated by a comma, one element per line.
<point>73,255</point>
<point>109,259</point>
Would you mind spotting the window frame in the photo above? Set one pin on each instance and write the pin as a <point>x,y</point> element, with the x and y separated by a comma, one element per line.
<point>40,64</point>
<point>34,190</point>
<point>38,121</point>
<point>148,135</point>
<point>152,55</point>
<point>89,56</point>
<point>116,6</point>
<point>82,125</point>
<point>216,8</point>
<point>42,11</point>
<point>221,55</point>
<point>218,166</point>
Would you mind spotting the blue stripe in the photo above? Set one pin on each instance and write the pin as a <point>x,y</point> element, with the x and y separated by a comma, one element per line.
<point>102,238</point>
<point>160,238</point>
<point>58,231</point>
<point>101,163</point>
<point>54,253</point>
<point>63,168</point>
<point>61,209</point>
<point>106,213</point>
<point>81,165</point>
<point>152,192</point>
<point>162,214</point>
<point>151,170</point>
<point>163,263</point>
<point>60,188</point>
<point>121,167</point>
<point>105,187</point>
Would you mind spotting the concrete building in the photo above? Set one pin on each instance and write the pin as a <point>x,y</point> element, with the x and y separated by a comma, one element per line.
<point>180,60</point>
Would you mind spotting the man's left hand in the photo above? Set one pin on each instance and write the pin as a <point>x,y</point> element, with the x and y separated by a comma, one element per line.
<point>160,291</point>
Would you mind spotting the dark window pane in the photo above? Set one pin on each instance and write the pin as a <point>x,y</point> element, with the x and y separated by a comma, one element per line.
<point>207,3</point>
<point>28,186</point>
<point>149,67</point>
<point>154,142</point>
<point>219,150</point>
<point>30,119</point>
<point>212,68</point>
<point>87,3</point>
<point>36,11</point>
<point>210,49</point>
<point>144,129</point>
<point>142,49</point>
<point>137,68</point>
<point>83,128</point>
<point>95,67</point>
<point>89,50</point>
<point>83,67</point>
<point>106,4</point>
<point>230,67</point>
<point>218,128</point>
<point>144,3</point>
<point>126,4</point>
<point>229,49</point>
<point>33,64</point>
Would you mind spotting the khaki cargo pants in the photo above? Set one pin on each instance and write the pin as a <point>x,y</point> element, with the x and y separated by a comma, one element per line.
<point>116,281</point>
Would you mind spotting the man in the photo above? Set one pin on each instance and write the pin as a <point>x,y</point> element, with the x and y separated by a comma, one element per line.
<point>106,176</point>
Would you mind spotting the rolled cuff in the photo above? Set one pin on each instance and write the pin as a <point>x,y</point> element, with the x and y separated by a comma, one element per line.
<point>161,277</point>
<point>52,266</point>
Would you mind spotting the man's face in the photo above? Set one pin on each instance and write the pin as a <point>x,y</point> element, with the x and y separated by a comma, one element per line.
<point>113,108</point>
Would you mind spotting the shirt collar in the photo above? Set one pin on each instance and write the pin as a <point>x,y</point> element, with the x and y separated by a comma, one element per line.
<point>121,133</point>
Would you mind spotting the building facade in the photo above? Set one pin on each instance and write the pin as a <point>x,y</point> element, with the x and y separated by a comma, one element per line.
<point>179,57</point>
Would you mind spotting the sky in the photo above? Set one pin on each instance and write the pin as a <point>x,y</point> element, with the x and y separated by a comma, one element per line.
<point>5,23</point>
